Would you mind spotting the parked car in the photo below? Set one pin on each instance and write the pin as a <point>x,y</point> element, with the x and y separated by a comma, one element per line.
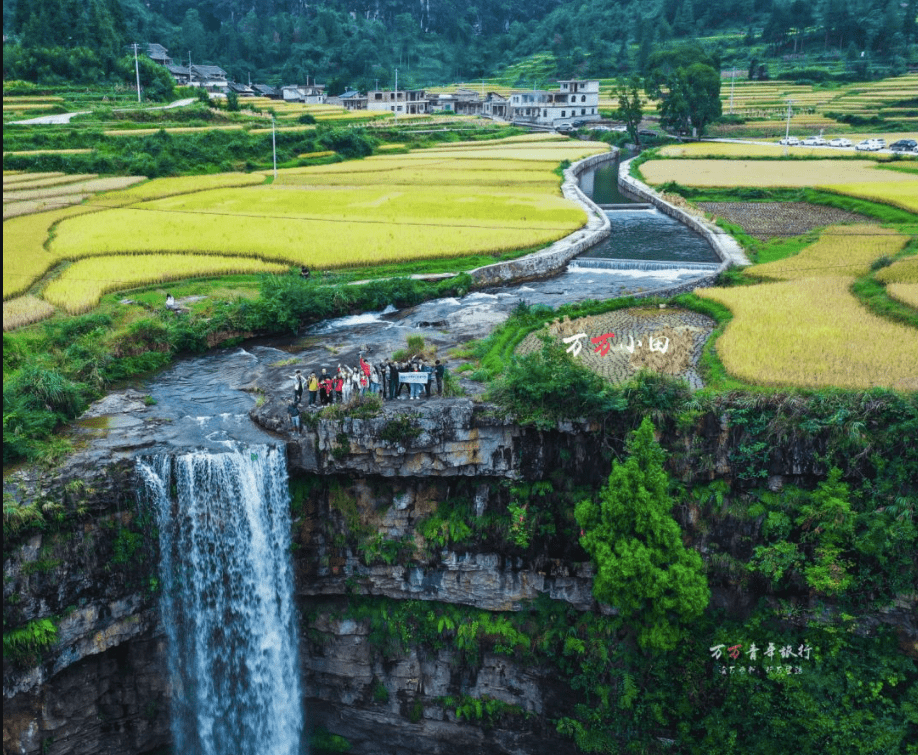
<point>840,142</point>
<point>814,141</point>
<point>868,145</point>
<point>904,145</point>
<point>564,128</point>
<point>791,141</point>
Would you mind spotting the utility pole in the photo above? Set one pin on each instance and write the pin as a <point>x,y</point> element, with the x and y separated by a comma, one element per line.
<point>274,147</point>
<point>137,72</point>
<point>396,95</point>
<point>787,130</point>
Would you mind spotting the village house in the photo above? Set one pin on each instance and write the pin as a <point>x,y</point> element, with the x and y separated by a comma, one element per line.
<point>211,78</point>
<point>263,90</point>
<point>181,74</point>
<point>404,101</point>
<point>349,100</point>
<point>574,100</point>
<point>240,89</point>
<point>495,106</point>
<point>158,54</point>
<point>311,94</point>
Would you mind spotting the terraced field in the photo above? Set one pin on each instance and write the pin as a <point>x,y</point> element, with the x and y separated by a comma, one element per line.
<point>493,198</point>
<point>855,177</point>
<point>778,336</point>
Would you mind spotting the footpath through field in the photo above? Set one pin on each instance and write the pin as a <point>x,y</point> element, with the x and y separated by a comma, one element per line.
<point>63,118</point>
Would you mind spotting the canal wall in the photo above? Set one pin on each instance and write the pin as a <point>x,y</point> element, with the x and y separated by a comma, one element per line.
<point>724,245</point>
<point>554,259</point>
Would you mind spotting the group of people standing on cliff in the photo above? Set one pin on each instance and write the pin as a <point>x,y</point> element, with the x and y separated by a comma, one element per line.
<point>387,379</point>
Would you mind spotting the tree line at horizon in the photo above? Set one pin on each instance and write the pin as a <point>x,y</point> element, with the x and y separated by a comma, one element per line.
<point>54,41</point>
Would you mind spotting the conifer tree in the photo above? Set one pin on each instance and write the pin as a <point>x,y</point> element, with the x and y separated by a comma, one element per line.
<point>642,567</point>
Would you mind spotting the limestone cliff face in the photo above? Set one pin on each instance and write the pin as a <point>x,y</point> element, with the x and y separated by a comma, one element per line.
<point>89,562</point>
<point>362,492</point>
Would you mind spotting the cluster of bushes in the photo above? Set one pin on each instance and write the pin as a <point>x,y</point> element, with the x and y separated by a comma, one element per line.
<point>165,154</point>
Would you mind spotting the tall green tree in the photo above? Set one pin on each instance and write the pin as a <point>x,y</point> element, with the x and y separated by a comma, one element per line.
<point>686,80</point>
<point>630,110</point>
<point>642,567</point>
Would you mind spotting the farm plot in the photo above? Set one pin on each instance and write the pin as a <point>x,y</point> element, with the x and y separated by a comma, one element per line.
<point>901,279</point>
<point>778,173</point>
<point>904,270</point>
<point>378,210</point>
<point>82,284</point>
<point>25,256</point>
<point>90,186</point>
<point>778,336</point>
<point>24,310</point>
<point>32,206</point>
<point>840,250</point>
<point>907,293</point>
<point>765,220</point>
<point>903,193</point>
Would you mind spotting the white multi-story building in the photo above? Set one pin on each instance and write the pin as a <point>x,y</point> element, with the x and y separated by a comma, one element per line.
<point>574,100</point>
<point>402,102</point>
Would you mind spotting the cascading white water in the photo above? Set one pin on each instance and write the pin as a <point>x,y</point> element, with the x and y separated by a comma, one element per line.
<point>227,600</point>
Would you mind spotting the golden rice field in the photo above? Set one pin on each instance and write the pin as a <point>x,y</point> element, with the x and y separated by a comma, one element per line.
<point>807,329</point>
<point>907,293</point>
<point>746,149</point>
<point>81,285</point>
<point>904,270</point>
<point>31,206</point>
<point>840,250</point>
<point>14,177</point>
<point>12,186</point>
<point>353,213</point>
<point>24,310</point>
<point>778,337</point>
<point>361,219</point>
<point>780,173</point>
<point>903,194</point>
<point>25,258</point>
<point>167,187</point>
<point>90,186</point>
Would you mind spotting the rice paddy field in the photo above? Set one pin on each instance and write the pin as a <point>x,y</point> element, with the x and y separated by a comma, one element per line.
<point>907,293</point>
<point>24,310</point>
<point>747,149</point>
<point>493,198</point>
<point>854,177</point>
<point>778,336</point>
<point>25,254</point>
<point>80,286</point>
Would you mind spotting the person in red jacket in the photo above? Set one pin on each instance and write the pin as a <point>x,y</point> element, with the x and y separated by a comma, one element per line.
<point>339,386</point>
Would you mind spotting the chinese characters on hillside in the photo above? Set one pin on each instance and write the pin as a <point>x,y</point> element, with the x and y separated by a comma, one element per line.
<point>603,347</point>
<point>768,660</point>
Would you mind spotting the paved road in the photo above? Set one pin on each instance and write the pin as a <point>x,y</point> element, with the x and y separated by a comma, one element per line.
<point>61,118</point>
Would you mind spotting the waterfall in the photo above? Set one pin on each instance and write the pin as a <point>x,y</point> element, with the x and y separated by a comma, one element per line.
<point>227,600</point>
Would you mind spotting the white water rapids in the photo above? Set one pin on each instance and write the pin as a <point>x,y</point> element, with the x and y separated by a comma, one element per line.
<point>227,600</point>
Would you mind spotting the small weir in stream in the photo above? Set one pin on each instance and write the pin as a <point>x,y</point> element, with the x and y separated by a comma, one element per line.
<point>227,599</point>
<point>642,238</point>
